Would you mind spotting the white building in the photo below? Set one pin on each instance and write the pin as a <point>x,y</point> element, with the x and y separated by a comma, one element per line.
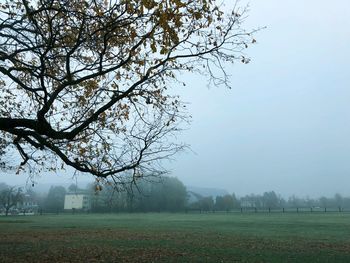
<point>248,204</point>
<point>77,201</point>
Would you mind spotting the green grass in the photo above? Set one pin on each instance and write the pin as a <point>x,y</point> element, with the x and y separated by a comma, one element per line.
<point>162,237</point>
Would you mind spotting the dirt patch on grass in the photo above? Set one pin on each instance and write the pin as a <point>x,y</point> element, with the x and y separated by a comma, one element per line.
<point>85,246</point>
<point>119,245</point>
<point>14,221</point>
<point>95,254</point>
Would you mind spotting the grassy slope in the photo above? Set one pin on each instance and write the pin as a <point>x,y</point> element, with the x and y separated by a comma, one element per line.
<point>288,237</point>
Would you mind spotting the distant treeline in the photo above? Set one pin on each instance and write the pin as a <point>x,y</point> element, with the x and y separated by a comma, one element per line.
<point>169,194</point>
<point>267,200</point>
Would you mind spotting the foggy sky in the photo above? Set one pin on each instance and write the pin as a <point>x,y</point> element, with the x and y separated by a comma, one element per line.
<point>285,124</point>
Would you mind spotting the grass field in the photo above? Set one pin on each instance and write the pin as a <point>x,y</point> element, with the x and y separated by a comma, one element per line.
<point>275,237</point>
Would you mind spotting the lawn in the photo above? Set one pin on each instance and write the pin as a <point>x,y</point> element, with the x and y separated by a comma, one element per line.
<point>164,237</point>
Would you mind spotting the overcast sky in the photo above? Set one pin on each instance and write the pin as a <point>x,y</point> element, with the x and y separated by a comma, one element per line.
<point>285,124</point>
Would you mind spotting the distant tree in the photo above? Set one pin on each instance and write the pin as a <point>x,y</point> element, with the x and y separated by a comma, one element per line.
<point>338,200</point>
<point>236,202</point>
<point>107,198</point>
<point>86,82</point>
<point>169,194</point>
<point>55,199</point>
<point>9,197</point>
<point>224,203</point>
<point>206,203</point>
<point>219,203</point>
<point>324,202</point>
<point>73,188</point>
<point>295,202</point>
<point>346,202</point>
<point>228,202</point>
<point>270,200</point>
<point>174,193</point>
<point>3,186</point>
<point>252,200</point>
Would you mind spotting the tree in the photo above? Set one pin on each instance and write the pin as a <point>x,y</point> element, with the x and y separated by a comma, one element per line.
<point>225,203</point>
<point>338,200</point>
<point>270,200</point>
<point>87,82</point>
<point>236,202</point>
<point>106,199</point>
<point>168,195</point>
<point>2,152</point>
<point>174,194</point>
<point>219,203</point>
<point>207,203</point>
<point>228,202</point>
<point>5,163</point>
<point>204,204</point>
<point>73,188</point>
<point>55,199</point>
<point>9,197</point>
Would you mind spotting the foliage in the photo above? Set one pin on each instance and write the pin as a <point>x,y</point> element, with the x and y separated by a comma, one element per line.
<point>88,82</point>
<point>54,201</point>
<point>2,152</point>
<point>73,188</point>
<point>204,204</point>
<point>107,199</point>
<point>167,195</point>
<point>5,158</point>
<point>9,197</point>
<point>271,200</point>
<point>224,203</point>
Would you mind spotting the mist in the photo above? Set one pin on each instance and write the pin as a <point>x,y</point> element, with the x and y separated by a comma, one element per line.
<point>284,125</point>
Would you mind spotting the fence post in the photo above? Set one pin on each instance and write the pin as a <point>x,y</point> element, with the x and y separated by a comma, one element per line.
<point>283,210</point>
<point>311,209</point>
<point>339,209</point>
<point>269,210</point>
<point>325,210</point>
<point>241,210</point>
<point>297,209</point>
<point>255,209</point>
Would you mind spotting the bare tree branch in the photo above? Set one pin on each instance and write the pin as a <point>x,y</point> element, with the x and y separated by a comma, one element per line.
<point>87,82</point>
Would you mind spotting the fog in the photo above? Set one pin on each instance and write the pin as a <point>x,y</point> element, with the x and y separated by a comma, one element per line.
<point>285,124</point>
